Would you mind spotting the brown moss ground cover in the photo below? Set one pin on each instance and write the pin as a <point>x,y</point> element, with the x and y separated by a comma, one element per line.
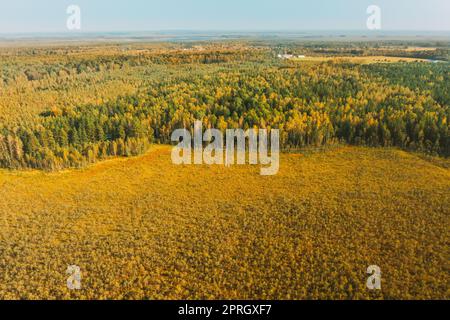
<point>144,228</point>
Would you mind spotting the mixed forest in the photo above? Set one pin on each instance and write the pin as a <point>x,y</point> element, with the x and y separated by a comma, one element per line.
<point>405,105</point>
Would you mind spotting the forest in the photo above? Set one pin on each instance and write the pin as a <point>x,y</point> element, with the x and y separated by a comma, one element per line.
<point>71,109</point>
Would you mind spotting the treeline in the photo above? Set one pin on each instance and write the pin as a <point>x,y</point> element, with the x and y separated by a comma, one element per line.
<point>75,138</point>
<point>310,104</point>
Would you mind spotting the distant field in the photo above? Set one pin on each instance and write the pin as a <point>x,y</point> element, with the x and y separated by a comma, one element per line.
<point>414,49</point>
<point>144,228</point>
<point>362,59</point>
<point>408,49</point>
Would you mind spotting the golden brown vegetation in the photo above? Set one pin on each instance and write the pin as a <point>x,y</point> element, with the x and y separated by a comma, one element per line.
<point>144,228</point>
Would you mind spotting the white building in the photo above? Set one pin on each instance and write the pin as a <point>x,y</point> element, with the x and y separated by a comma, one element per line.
<point>290,56</point>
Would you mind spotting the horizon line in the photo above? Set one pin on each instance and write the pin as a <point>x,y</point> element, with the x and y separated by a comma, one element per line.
<point>80,32</point>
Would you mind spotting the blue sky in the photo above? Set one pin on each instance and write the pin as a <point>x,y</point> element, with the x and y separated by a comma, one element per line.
<point>147,15</point>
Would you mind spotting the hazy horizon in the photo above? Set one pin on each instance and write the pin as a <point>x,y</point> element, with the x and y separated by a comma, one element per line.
<point>49,16</point>
<point>210,35</point>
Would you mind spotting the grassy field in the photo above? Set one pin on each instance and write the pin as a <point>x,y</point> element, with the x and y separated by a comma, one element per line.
<point>360,59</point>
<point>144,228</point>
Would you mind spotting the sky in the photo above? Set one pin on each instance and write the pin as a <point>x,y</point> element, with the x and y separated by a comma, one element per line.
<point>25,16</point>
